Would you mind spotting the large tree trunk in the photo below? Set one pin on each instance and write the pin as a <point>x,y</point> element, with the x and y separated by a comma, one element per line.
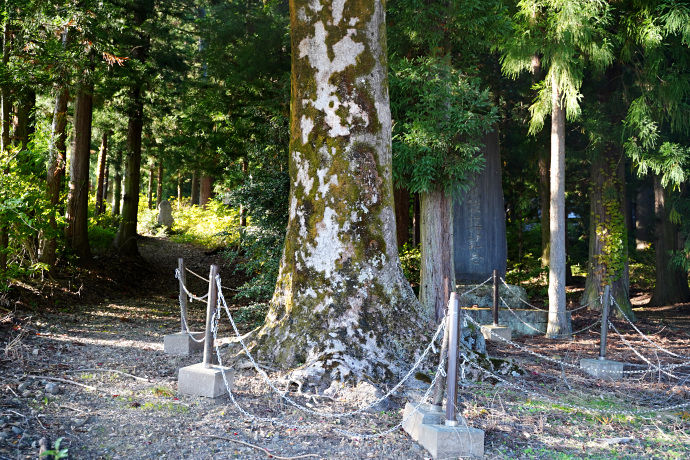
<point>402,215</point>
<point>671,282</point>
<point>479,220</point>
<point>206,190</point>
<point>342,305</point>
<point>644,214</point>
<point>117,186</point>
<point>100,184</point>
<point>608,248</point>
<point>76,217</point>
<point>558,326</point>
<point>25,119</point>
<point>437,277</point>
<point>57,149</point>
<point>125,240</point>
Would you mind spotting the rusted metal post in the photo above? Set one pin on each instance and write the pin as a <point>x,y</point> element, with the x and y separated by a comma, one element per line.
<point>183,295</point>
<point>210,308</point>
<point>496,298</point>
<point>604,321</point>
<point>452,377</point>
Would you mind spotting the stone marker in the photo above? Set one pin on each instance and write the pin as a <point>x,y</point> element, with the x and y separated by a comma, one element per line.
<point>603,368</point>
<point>165,217</point>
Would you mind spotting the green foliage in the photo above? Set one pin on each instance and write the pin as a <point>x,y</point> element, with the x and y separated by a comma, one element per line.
<point>56,452</point>
<point>410,259</point>
<point>265,200</point>
<point>440,117</point>
<point>206,226</point>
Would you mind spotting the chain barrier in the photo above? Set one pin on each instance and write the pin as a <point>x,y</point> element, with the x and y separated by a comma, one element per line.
<point>188,329</point>
<point>475,288</point>
<point>574,406</point>
<point>541,332</point>
<point>189,294</point>
<point>295,404</point>
<point>645,336</point>
<point>510,289</point>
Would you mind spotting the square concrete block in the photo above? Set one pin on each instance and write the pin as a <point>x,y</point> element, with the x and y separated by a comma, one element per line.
<point>490,333</point>
<point>603,368</point>
<point>452,441</point>
<point>198,380</point>
<point>183,343</point>
<point>425,413</point>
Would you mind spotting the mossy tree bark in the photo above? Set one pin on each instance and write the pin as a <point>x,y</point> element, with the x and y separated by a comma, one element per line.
<point>342,306</point>
<point>557,326</point>
<point>608,249</point>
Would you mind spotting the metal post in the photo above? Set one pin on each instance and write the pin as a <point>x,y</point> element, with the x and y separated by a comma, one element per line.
<point>495,298</point>
<point>604,321</point>
<point>183,295</point>
<point>452,377</point>
<point>210,308</point>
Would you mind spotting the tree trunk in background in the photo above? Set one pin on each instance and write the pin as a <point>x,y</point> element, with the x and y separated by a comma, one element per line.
<point>243,211</point>
<point>179,192</point>
<point>159,183</point>
<point>125,240</point>
<point>100,184</point>
<point>402,215</point>
<point>57,149</point>
<point>479,220</point>
<point>117,188</point>
<point>437,267</point>
<point>342,306</point>
<point>644,214</point>
<point>671,282</point>
<point>557,326</point>
<point>76,217</point>
<point>206,190</point>
<point>608,249</point>
<point>149,193</point>
<point>416,219</point>
<point>195,188</point>
<point>24,128</point>
<point>106,186</point>
<point>544,204</point>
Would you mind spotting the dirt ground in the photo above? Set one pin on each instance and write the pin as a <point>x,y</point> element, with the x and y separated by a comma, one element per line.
<point>81,360</point>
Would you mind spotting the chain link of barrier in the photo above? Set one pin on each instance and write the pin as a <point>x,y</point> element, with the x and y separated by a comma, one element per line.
<point>574,406</point>
<point>475,288</point>
<point>644,336</point>
<point>221,299</point>
<point>542,309</point>
<point>541,332</point>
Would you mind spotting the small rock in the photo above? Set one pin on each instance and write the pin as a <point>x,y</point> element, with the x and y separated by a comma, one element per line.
<point>4,434</point>
<point>26,394</point>
<point>35,352</point>
<point>17,430</point>
<point>52,388</point>
<point>23,386</point>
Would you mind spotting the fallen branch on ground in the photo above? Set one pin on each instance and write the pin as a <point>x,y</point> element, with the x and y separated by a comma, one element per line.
<point>71,382</point>
<point>110,370</point>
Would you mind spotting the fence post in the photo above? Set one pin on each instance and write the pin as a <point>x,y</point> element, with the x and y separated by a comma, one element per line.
<point>452,376</point>
<point>210,308</point>
<point>604,321</point>
<point>183,295</point>
<point>496,298</point>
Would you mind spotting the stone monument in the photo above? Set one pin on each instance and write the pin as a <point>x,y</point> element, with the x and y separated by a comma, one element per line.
<point>165,217</point>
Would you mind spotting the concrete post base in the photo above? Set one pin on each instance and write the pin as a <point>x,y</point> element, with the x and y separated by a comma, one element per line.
<point>490,332</point>
<point>426,427</point>
<point>182,343</point>
<point>603,368</point>
<point>197,380</point>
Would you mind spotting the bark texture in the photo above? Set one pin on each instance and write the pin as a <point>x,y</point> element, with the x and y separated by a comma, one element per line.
<point>206,192</point>
<point>100,185</point>
<point>608,249</point>
<point>437,276</point>
<point>671,282</point>
<point>402,215</point>
<point>76,216</point>
<point>479,220</point>
<point>117,184</point>
<point>342,308</point>
<point>195,188</point>
<point>557,326</point>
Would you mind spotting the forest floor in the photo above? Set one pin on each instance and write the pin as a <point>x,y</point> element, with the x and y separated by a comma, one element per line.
<point>81,360</point>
